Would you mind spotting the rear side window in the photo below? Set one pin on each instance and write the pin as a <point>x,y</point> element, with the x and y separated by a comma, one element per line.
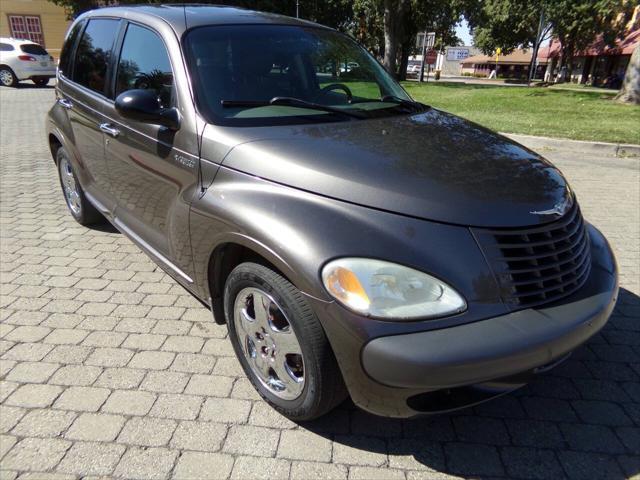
<point>64,66</point>
<point>33,49</point>
<point>144,63</point>
<point>5,47</point>
<point>94,53</point>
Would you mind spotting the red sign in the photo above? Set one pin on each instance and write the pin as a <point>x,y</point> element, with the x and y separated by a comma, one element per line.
<point>431,56</point>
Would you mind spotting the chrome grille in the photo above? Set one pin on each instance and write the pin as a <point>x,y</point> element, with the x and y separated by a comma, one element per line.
<point>540,264</point>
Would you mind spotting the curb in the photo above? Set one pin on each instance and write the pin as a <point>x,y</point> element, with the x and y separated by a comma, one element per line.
<point>611,149</point>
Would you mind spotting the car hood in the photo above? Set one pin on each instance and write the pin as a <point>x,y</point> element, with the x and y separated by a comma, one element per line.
<point>430,165</point>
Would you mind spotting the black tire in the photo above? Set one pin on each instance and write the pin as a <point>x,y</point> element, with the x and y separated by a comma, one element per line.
<point>86,214</point>
<point>323,386</point>
<point>41,82</point>
<point>8,77</point>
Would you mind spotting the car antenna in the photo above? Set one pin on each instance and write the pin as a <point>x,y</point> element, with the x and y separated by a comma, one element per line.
<point>200,176</point>
<point>184,13</point>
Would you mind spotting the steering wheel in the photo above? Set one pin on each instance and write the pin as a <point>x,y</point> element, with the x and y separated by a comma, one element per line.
<point>337,86</point>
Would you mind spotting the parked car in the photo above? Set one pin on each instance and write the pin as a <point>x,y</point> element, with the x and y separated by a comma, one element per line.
<point>24,60</point>
<point>413,68</point>
<point>354,241</point>
<point>349,67</point>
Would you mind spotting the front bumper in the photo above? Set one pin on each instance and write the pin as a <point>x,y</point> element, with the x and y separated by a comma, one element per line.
<point>409,374</point>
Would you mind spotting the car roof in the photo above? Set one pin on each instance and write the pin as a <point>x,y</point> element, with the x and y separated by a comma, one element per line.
<point>16,41</point>
<point>189,15</point>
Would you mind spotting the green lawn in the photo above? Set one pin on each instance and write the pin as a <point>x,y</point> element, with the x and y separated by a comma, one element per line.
<point>535,111</point>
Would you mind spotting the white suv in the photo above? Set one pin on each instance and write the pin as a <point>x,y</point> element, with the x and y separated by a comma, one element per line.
<point>24,60</point>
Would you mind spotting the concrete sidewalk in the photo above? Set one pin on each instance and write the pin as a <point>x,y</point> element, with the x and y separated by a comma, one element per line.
<point>502,82</point>
<point>564,144</point>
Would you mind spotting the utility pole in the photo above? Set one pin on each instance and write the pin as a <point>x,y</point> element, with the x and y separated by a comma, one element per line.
<point>536,47</point>
<point>424,54</point>
<point>297,8</point>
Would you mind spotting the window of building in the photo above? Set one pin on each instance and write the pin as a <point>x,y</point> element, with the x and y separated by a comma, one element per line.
<point>144,63</point>
<point>26,27</point>
<point>93,53</point>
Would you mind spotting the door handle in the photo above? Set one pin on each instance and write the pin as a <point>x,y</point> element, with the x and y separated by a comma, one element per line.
<point>109,129</point>
<point>64,103</point>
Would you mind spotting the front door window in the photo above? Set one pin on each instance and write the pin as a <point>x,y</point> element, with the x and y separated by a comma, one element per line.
<point>144,64</point>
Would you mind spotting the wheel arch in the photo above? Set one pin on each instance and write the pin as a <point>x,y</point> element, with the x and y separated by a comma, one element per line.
<point>227,256</point>
<point>54,145</point>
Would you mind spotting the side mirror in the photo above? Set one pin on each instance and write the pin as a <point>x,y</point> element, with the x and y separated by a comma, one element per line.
<point>143,106</point>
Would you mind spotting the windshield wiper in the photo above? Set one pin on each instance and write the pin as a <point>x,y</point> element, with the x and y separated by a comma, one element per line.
<point>291,102</point>
<point>405,103</point>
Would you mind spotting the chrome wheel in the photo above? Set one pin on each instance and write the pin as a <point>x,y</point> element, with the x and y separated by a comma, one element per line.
<point>70,187</point>
<point>269,343</point>
<point>6,77</point>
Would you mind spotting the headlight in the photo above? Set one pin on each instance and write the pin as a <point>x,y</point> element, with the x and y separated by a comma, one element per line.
<point>385,290</point>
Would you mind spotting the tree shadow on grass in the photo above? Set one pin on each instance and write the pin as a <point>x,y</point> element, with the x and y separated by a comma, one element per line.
<point>579,420</point>
<point>533,91</point>
<point>455,85</point>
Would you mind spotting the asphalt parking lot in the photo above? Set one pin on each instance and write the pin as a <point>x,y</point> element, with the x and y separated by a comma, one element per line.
<point>109,368</point>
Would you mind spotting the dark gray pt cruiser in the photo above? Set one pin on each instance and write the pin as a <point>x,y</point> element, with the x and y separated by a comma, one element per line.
<point>355,242</point>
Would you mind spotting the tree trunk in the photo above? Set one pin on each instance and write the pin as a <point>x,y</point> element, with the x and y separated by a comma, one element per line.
<point>404,59</point>
<point>390,37</point>
<point>566,62</point>
<point>536,47</point>
<point>393,17</point>
<point>630,91</point>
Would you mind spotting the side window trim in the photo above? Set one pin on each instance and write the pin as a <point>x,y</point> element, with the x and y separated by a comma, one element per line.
<point>110,66</point>
<point>102,94</point>
<point>72,53</point>
<point>115,60</point>
<point>120,43</point>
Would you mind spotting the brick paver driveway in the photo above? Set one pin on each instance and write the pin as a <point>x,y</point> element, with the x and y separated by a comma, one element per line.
<point>109,368</point>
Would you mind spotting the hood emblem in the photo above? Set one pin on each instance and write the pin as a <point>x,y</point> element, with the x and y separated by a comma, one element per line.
<point>558,209</point>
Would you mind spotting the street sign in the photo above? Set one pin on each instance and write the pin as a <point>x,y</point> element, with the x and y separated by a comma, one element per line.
<point>457,53</point>
<point>429,37</point>
<point>431,56</point>
<point>428,41</point>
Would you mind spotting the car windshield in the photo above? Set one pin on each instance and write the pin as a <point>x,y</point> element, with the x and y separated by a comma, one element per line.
<point>277,74</point>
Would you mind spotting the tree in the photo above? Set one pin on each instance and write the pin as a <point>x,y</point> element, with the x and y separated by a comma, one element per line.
<point>334,13</point>
<point>394,25</point>
<point>504,24</point>
<point>389,27</point>
<point>440,17</point>
<point>370,25</point>
<point>509,24</point>
<point>75,7</point>
<point>630,91</point>
<point>576,23</point>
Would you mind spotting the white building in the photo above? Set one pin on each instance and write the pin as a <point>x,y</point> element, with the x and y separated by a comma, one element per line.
<point>448,62</point>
